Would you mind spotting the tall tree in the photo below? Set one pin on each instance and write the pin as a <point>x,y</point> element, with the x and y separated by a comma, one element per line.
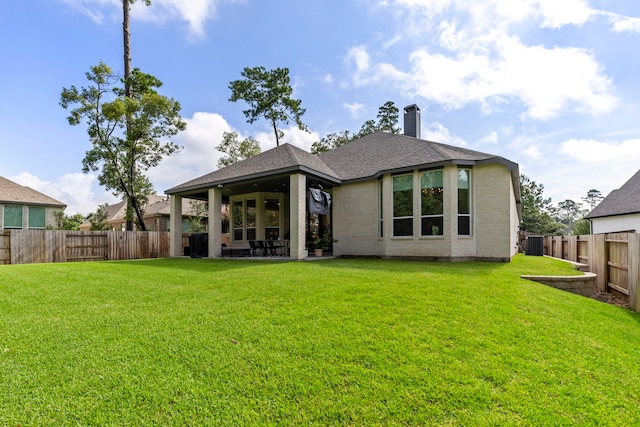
<point>593,198</point>
<point>569,212</point>
<point>98,220</point>
<point>126,38</point>
<point>387,122</point>
<point>128,134</point>
<point>65,222</point>
<point>235,149</point>
<point>388,115</point>
<point>536,209</point>
<point>268,93</point>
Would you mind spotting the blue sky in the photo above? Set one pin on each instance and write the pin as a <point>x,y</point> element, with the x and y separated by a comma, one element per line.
<point>552,85</point>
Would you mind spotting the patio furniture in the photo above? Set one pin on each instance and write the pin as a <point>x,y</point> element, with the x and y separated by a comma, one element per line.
<point>277,247</point>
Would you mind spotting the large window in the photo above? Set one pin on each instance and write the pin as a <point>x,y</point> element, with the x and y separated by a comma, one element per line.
<point>403,205</point>
<point>37,217</point>
<point>431,203</point>
<point>238,220</point>
<point>272,219</point>
<point>464,202</point>
<point>251,219</point>
<point>12,216</point>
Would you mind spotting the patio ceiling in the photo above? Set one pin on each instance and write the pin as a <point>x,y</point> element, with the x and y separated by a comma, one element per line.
<point>271,184</point>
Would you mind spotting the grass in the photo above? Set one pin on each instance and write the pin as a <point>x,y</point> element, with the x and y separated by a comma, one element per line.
<point>178,342</point>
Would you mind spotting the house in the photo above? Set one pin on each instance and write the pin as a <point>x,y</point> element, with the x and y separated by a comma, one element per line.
<point>25,208</point>
<point>620,211</point>
<point>156,215</point>
<point>388,196</point>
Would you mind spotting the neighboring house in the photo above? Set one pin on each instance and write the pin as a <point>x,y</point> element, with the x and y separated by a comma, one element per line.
<point>156,215</point>
<point>392,196</point>
<point>25,208</point>
<point>619,211</point>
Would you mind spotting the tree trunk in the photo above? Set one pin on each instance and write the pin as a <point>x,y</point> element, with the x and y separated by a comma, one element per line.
<point>126,37</point>
<point>275,129</point>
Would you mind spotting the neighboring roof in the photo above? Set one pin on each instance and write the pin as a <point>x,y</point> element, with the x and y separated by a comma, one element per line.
<point>364,158</point>
<point>12,192</point>
<point>156,205</point>
<point>623,201</point>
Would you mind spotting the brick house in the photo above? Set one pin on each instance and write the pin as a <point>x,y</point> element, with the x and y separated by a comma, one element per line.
<point>25,208</point>
<point>391,196</point>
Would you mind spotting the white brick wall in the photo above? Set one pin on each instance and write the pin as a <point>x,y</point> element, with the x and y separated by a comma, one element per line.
<point>494,219</point>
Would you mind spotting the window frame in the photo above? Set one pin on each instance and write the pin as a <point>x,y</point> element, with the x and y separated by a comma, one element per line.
<point>5,216</point>
<point>402,219</point>
<point>469,215</point>
<point>40,211</point>
<point>431,217</point>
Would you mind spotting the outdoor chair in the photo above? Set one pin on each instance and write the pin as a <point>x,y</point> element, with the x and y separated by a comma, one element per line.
<point>253,246</point>
<point>262,247</point>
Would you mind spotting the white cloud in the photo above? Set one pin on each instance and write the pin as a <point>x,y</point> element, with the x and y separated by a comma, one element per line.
<point>198,156</point>
<point>477,60</point>
<point>492,138</point>
<point>592,151</point>
<point>292,135</point>
<point>438,133</point>
<point>78,191</point>
<point>625,23</point>
<point>354,108</point>
<point>482,15</point>
<point>532,152</point>
<point>194,12</point>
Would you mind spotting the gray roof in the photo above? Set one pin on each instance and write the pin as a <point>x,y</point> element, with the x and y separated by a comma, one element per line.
<point>364,158</point>
<point>284,159</point>
<point>12,192</point>
<point>625,200</point>
<point>380,152</point>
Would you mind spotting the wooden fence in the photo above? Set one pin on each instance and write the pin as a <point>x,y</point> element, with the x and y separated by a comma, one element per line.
<point>615,258</point>
<point>34,246</point>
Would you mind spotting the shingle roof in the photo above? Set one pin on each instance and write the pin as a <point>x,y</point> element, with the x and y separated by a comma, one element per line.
<point>363,158</point>
<point>382,152</point>
<point>283,159</point>
<point>12,192</point>
<point>625,200</point>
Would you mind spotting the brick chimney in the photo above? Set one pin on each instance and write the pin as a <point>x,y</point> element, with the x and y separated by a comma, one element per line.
<point>412,121</point>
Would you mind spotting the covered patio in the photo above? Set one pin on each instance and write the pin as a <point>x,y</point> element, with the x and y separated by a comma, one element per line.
<point>267,198</point>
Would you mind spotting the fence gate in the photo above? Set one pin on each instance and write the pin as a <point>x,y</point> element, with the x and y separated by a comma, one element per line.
<point>86,247</point>
<point>617,248</point>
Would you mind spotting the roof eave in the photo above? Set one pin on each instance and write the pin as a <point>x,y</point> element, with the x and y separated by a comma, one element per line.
<point>282,171</point>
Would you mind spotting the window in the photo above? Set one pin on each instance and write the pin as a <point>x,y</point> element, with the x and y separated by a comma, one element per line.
<point>238,220</point>
<point>431,203</point>
<point>403,205</point>
<point>251,219</point>
<point>380,210</point>
<point>272,219</point>
<point>464,202</point>
<point>12,216</point>
<point>37,217</point>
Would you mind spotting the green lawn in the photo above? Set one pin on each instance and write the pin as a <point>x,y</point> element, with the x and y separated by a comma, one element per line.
<point>177,342</point>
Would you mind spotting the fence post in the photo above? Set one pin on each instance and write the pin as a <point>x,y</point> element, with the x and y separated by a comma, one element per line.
<point>598,262</point>
<point>633,278</point>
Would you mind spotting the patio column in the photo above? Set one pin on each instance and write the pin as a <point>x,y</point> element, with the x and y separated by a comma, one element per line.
<point>215,223</point>
<point>175,225</point>
<point>298,200</point>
